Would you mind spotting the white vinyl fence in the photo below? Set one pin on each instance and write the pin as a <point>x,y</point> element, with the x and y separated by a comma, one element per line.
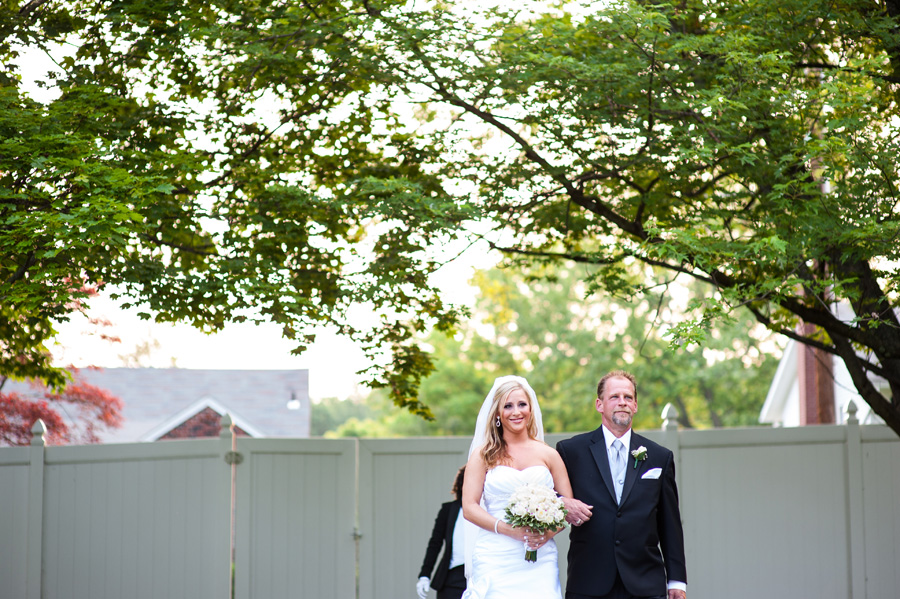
<point>776,513</point>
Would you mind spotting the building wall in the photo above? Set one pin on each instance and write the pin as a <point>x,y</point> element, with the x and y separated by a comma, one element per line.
<point>782,406</point>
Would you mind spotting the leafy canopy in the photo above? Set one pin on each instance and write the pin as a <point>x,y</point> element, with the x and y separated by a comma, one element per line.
<point>213,162</point>
<point>748,145</point>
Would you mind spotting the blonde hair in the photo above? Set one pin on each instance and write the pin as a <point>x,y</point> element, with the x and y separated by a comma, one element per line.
<point>494,450</point>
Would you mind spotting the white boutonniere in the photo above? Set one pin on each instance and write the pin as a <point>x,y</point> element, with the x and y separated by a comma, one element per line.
<point>640,454</point>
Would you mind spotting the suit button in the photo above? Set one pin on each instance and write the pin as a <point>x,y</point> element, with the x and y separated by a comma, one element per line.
<point>618,543</point>
<point>619,515</point>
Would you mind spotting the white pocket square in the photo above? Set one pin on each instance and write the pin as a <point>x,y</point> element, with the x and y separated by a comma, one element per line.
<point>652,473</point>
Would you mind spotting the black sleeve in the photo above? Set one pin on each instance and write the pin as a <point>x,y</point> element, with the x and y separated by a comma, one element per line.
<point>436,541</point>
<point>671,534</point>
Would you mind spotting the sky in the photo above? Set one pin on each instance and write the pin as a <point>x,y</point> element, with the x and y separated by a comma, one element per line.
<point>333,361</point>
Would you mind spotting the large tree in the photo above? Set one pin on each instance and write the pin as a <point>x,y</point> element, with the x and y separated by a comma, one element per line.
<point>748,145</point>
<point>211,162</point>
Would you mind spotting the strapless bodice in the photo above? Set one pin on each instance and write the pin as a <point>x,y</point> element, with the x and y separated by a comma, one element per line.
<point>501,481</point>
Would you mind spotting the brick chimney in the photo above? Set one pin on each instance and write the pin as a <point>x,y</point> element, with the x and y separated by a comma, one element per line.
<point>816,378</point>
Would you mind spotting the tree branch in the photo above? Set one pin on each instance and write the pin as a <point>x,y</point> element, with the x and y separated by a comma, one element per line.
<point>826,66</point>
<point>30,261</point>
<point>709,398</point>
<point>790,334</point>
<point>31,7</point>
<point>870,394</point>
<point>580,258</point>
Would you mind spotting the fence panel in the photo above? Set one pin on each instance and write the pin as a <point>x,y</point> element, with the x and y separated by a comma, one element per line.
<point>881,500</point>
<point>14,471</point>
<point>765,513</point>
<point>295,518</point>
<point>401,487</point>
<point>137,521</point>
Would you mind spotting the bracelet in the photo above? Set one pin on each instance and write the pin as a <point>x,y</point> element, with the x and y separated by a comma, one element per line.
<point>496,524</point>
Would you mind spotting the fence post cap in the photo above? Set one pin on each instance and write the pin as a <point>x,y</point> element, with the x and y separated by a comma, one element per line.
<point>226,424</point>
<point>38,430</point>
<point>670,417</point>
<point>851,410</point>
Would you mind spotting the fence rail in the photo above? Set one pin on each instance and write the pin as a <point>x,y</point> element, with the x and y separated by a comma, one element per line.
<point>802,512</point>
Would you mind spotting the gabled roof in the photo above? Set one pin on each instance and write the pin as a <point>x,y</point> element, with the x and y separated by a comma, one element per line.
<point>257,400</point>
<point>192,410</point>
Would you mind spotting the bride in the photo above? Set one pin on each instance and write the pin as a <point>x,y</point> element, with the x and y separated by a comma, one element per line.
<point>508,451</point>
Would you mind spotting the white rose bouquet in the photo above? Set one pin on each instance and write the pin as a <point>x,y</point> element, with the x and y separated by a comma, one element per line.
<point>538,508</point>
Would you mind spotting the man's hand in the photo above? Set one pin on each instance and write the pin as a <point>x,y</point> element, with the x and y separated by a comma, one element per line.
<point>677,594</point>
<point>579,512</point>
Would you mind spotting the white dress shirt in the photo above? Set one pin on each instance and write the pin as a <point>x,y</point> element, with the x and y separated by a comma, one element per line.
<point>458,556</point>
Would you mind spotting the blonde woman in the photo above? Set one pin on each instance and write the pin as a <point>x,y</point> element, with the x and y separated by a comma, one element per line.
<point>507,451</point>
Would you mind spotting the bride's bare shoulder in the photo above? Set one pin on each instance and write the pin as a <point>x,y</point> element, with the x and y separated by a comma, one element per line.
<point>548,454</point>
<point>542,448</point>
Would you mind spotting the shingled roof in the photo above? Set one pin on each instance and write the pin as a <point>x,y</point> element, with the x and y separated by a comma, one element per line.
<point>269,403</point>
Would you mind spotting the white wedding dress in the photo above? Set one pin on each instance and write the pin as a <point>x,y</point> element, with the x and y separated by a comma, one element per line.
<point>499,569</point>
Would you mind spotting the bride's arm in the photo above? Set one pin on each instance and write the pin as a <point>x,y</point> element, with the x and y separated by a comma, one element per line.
<point>561,482</point>
<point>557,468</point>
<point>579,512</point>
<point>473,487</point>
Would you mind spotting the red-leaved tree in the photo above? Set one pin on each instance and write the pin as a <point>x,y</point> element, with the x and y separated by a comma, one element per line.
<point>72,416</point>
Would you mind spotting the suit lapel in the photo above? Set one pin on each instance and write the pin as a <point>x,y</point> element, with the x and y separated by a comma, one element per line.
<point>601,457</point>
<point>632,473</point>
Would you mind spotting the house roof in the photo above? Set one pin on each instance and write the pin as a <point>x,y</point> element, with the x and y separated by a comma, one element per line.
<point>192,410</point>
<point>155,398</point>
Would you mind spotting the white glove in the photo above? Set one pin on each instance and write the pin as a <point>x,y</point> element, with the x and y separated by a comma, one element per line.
<point>422,586</point>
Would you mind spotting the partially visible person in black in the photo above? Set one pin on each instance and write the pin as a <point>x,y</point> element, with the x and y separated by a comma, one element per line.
<point>450,578</point>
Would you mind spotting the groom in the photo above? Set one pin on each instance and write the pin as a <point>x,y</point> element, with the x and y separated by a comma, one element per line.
<point>626,541</point>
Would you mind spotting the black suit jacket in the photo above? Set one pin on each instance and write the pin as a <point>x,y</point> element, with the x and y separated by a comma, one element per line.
<point>641,538</point>
<point>442,534</point>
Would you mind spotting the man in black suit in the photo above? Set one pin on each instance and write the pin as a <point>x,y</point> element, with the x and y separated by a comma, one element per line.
<point>626,539</point>
<point>449,579</point>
